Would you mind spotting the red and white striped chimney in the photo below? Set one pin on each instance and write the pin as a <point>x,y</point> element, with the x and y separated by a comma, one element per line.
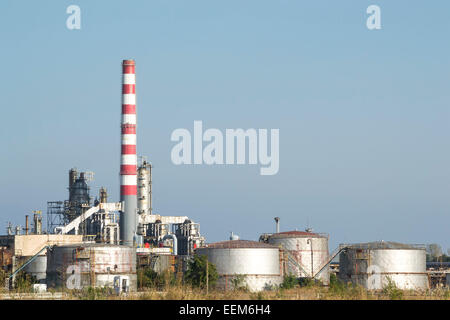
<point>128,162</point>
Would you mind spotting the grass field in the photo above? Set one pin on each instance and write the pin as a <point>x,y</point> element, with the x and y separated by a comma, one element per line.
<point>189,293</point>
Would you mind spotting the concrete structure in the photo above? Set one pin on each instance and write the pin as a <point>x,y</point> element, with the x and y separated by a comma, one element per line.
<point>372,265</point>
<point>91,265</point>
<point>29,245</point>
<point>128,162</point>
<point>256,264</point>
<point>308,252</point>
<point>21,248</point>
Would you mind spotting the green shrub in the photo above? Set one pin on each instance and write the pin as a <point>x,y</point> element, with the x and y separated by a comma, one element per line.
<point>337,287</point>
<point>196,272</point>
<point>392,291</point>
<point>308,282</point>
<point>289,282</point>
<point>24,282</point>
<point>148,278</point>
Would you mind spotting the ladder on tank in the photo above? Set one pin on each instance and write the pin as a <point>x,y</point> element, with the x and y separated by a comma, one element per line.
<point>294,261</point>
<point>330,258</point>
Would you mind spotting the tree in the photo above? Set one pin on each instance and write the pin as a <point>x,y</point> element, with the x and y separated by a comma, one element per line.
<point>196,272</point>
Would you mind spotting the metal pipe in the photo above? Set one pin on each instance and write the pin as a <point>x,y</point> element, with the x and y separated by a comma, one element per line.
<point>312,257</point>
<point>277,221</point>
<point>29,261</point>
<point>175,244</point>
<point>26,224</point>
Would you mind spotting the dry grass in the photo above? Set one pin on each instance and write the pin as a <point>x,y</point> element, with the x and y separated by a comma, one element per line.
<point>181,292</point>
<point>299,293</point>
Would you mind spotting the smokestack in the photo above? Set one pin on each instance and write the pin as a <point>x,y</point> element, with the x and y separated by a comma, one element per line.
<point>128,162</point>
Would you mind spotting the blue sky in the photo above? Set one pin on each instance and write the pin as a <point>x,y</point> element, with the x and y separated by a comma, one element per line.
<point>363,115</point>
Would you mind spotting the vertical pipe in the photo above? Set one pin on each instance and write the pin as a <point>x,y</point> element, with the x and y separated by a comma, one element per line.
<point>128,163</point>
<point>150,189</point>
<point>312,257</point>
<point>35,224</point>
<point>26,224</point>
<point>277,221</point>
<point>39,225</point>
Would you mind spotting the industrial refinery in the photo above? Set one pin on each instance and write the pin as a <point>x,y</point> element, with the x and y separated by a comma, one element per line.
<point>93,241</point>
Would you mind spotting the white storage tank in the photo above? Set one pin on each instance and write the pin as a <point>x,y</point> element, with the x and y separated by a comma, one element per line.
<point>256,263</point>
<point>372,265</point>
<point>91,265</point>
<point>309,253</point>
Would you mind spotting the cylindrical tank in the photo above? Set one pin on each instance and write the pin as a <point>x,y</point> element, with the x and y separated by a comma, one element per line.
<point>373,265</point>
<point>308,253</point>
<point>90,265</point>
<point>37,268</point>
<point>256,264</point>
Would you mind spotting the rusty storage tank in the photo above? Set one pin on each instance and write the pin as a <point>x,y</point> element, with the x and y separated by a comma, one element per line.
<point>307,253</point>
<point>373,264</point>
<point>91,265</point>
<point>254,264</point>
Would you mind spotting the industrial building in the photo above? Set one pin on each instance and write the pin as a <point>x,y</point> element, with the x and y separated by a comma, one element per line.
<point>101,242</point>
<point>92,242</point>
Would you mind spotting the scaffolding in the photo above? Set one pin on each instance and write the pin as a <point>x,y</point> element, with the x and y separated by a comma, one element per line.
<point>55,215</point>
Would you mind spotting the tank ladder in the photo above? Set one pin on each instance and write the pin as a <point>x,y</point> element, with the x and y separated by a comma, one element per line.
<point>330,258</point>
